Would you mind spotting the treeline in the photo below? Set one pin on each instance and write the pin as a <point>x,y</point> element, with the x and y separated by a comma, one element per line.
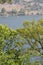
<point>12,42</point>
<point>3,1</point>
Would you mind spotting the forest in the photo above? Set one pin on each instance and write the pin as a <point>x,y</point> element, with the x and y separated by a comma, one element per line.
<point>17,47</point>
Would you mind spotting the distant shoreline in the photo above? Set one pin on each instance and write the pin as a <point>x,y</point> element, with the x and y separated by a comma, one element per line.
<point>17,10</point>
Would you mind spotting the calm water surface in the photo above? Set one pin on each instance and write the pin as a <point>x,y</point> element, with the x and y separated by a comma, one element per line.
<point>16,21</point>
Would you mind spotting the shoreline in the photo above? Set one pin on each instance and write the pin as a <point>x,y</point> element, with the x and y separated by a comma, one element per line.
<point>17,10</point>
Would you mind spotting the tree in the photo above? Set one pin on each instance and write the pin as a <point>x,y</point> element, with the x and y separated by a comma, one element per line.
<point>9,1</point>
<point>3,10</point>
<point>12,51</point>
<point>14,12</point>
<point>33,34</point>
<point>10,46</point>
<point>2,1</point>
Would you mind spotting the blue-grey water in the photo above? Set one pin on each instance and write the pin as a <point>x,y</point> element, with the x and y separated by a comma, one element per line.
<point>16,21</point>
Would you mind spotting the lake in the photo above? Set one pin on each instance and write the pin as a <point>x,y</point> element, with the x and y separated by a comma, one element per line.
<point>17,21</point>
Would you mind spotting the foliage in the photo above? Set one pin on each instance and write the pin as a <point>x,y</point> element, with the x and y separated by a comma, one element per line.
<point>3,10</point>
<point>32,32</point>
<point>14,11</point>
<point>9,1</point>
<point>3,1</point>
<point>12,51</point>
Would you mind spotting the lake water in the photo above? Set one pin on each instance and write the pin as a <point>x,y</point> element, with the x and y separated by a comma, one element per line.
<point>16,21</point>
